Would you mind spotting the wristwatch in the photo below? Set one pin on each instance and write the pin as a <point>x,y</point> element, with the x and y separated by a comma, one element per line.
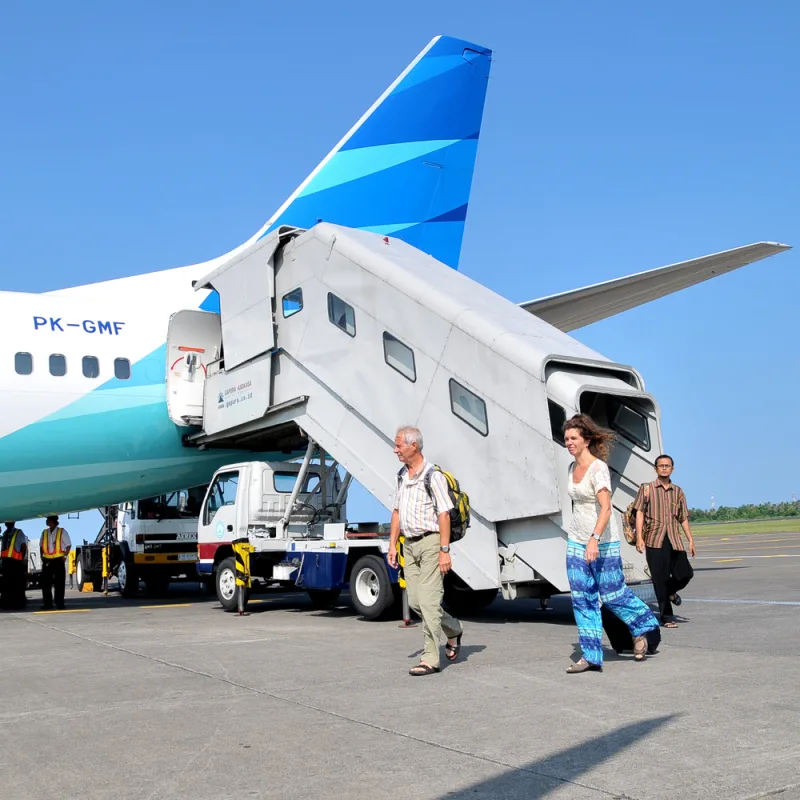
<point>597,536</point>
<point>445,548</point>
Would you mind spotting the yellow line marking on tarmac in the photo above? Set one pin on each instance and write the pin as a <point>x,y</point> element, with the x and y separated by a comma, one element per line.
<point>725,560</point>
<point>64,611</point>
<point>169,605</point>
<point>754,541</point>
<point>757,547</point>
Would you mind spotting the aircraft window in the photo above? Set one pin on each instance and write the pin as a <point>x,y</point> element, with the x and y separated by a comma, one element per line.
<point>58,365</point>
<point>122,369</point>
<point>468,407</point>
<point>341,314</point>
<point>23,363</point>
<point>284,482</point>
<point>223,493</point>
<point>91,367</point>
<point>558,416</point>
<point>399,356</point>
<point>292,302</point>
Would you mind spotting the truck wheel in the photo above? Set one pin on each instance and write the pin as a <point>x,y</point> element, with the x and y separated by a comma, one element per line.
<point>461,599</point>
<point>128,579</point>
<point>80,578</point>
<point>370,590</point>
<point>226,585</point>
<point>323,598</point>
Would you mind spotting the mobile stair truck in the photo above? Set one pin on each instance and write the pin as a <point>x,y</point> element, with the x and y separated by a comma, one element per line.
<point>293,516</point>
<point>152,540</point>
<point>333,337</point>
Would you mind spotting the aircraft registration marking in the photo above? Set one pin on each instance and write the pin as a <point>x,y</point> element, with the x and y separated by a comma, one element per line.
<point>59,325</point>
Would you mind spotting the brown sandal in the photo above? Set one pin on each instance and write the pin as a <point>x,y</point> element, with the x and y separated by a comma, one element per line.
<point>423,669</point>
<point>639,648</point>
<point>583,666</point>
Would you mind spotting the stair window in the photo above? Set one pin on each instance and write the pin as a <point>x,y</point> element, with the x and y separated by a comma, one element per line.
<point>399,356</point>
<point>292,302</point>
<point>558,416</point>
<point>23,363</point>
<point>58,365</point>
<point>91,367</point>
<point>469,407</point>
<point>342,314</point>
<point>122,369</point>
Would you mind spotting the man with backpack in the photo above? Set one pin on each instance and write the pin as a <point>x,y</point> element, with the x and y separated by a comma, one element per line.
<point>422,511</point>
<point>661,513</point>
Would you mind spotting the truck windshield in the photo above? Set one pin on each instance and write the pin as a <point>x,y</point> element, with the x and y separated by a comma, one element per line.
<point>182,504</point>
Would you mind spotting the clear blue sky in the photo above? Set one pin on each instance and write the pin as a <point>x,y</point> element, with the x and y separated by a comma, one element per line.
<point>617,137</point>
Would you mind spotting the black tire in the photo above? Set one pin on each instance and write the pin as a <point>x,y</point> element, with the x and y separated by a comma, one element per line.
<point>461,599</point>
<point>128,579</point>
<point>227,591</point>
<point>324,598</point>
<point>370,589</point>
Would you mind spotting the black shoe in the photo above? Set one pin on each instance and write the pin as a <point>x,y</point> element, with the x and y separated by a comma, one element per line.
<point>47,608</point>
<point>676,599</point>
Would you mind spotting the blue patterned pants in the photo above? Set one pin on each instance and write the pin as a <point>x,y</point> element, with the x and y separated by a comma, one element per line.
<point>602,580</point>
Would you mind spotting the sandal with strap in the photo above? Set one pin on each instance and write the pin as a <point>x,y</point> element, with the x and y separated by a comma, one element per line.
<point>423,669</point>
<point>670,624</point>
<point>639,648</point>
<point>675,599</point>
<point>451,651</point>
<point>583,666</point>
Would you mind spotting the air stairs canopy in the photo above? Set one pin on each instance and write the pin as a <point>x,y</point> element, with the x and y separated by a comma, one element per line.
<point>246,286</point>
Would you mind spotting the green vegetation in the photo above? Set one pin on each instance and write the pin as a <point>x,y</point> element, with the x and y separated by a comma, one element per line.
<point>763,511</point>
<point>734,528</point>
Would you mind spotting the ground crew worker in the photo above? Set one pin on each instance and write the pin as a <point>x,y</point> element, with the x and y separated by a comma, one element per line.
<point>55,545</point>
<point>15,568</point>
<point>426,528</point>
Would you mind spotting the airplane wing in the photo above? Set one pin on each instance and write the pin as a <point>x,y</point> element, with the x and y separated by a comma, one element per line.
<point>580,307</point>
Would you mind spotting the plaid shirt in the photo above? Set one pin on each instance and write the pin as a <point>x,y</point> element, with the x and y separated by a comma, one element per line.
<point>664,510</point>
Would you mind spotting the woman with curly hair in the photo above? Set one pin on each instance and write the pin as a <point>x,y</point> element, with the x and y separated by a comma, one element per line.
<point>594,565</point>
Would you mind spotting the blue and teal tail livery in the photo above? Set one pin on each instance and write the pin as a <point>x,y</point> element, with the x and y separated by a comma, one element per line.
<point>405,168</point>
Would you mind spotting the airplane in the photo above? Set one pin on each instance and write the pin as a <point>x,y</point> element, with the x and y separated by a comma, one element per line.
<point>84,421</point>
<point>83,417</point>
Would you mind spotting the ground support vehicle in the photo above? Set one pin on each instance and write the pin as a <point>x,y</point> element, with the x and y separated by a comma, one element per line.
<point>293,516</point>
<point>153,540</point>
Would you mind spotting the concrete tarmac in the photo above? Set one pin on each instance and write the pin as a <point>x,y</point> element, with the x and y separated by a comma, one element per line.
<point>170,699</point>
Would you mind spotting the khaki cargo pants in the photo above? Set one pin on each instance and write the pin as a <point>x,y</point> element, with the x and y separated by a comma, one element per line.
<point>425,591</point>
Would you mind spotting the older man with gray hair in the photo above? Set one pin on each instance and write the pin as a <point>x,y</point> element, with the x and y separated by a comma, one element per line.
<point>422,513</point>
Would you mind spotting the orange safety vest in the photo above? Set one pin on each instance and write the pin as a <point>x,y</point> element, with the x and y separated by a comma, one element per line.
<point>10,552</point>
<point>57,552</point>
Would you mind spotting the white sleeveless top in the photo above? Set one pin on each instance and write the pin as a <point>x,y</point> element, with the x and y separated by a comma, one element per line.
<point>585,508</point>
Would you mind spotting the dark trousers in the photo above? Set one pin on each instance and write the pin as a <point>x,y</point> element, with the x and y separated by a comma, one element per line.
<point>671,571</point>
<point>14,584</point>
<point>54,576</point>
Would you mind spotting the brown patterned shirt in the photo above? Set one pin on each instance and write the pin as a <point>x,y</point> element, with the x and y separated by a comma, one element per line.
<point>664,510</point>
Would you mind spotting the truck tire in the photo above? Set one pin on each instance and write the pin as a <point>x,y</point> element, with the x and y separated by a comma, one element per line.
<point>370,590</point>
<point>81,577</point>
<point>226,585</point>
<point>128,579</point>
<point>461,599</point>
<point>323,598</point>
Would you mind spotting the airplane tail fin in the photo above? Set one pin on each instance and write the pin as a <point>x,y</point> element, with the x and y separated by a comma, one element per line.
<point>405,168</point>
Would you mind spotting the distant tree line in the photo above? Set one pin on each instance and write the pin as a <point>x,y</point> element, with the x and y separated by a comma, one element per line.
<point>750,511</point>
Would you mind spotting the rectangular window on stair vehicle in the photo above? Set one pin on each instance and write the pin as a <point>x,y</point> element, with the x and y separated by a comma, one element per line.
<point>58,365</point>
<point>292,302</point>
<point>91,367</point>
<point>399,356</point>
<point>122,369</point>
<point>23,363</point>
<point>469,407</point>
<point>342,314</point>
<point>558,416</point>
<point>284,482</point>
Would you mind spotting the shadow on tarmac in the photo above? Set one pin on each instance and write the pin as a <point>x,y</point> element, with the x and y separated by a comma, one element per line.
<point>537,779</point>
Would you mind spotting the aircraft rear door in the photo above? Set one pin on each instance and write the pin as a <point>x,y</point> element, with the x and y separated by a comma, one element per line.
<point>193,343</point>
